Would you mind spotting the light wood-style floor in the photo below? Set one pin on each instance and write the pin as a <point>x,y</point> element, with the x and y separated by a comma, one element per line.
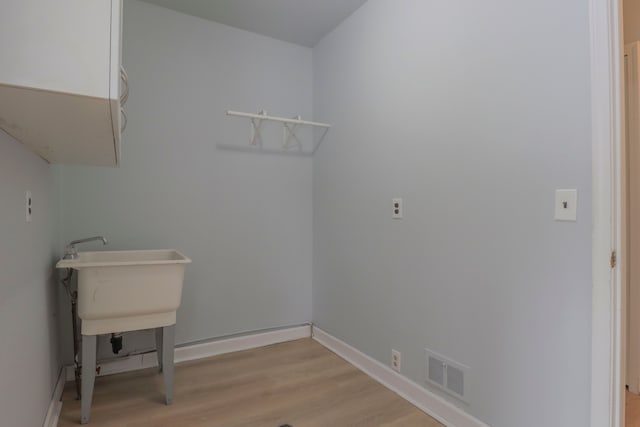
<point>299,383</point>
<point>632,410</point>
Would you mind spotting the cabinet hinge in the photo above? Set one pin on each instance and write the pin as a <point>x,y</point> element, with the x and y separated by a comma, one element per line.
<point>613,259</point>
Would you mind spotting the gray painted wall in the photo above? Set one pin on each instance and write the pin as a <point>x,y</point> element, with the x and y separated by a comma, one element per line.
<point>28,323</point>
<point>474,113</point>
<point>245,219</point>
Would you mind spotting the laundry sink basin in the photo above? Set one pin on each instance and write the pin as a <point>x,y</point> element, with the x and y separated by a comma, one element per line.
<point>121,291</point>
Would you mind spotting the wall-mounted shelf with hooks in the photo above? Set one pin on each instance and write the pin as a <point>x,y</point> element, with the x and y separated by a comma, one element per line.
<point>291,143</point>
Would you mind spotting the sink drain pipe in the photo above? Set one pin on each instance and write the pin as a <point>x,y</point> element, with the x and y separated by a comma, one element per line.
<point>116,342</point>
<point>73,299</point>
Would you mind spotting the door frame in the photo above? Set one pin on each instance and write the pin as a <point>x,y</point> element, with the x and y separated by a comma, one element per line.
<point>608,292</point>
<point>629,206</point>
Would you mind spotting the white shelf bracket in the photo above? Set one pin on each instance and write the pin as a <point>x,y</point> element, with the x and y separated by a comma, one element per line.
<point>256,126</point>
<point>289,134</point>
<point>319,141</point>
<point>290,138</point>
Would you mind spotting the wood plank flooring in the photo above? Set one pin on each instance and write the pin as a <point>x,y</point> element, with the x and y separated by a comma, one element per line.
<point>299,383</point>
<point>632,410</point>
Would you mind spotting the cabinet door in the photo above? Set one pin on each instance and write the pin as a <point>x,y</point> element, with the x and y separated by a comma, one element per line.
<point>62,45</point>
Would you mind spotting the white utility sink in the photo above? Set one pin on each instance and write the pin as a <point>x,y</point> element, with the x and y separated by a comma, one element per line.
<point>120,291</point>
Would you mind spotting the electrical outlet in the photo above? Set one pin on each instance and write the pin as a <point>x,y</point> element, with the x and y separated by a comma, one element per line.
<point>28,205</point>
<point>396,359</point>
<point>397,208</point>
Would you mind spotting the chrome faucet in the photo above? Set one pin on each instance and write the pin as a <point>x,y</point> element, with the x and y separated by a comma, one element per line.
<point>70,251</point>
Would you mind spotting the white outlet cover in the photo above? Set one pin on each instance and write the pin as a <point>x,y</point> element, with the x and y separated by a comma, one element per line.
<point>566,206</point>
<point>397,208</point>
<point>28,204</point>
<point>396,360</point>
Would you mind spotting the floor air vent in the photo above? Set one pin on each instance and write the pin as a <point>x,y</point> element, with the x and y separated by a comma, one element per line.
<point>448,375</point>
<point>436,370</point>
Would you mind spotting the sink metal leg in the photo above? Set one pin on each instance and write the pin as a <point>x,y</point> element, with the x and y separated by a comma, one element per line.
<point>89,343</point>
<point>167,361</point>
<point>159,332</point>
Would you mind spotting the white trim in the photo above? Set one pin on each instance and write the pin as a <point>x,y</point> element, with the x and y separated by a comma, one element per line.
<point>607,383</point>
<point>55,406</point>
<point>631,156</point>
<point>245,342</point>
<point>202,350</point>
<point>434,405</point>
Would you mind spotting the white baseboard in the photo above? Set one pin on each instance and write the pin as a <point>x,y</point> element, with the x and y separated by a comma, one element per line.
<point>245,342</point>
<point>202,350</point>
<point>434,405</point>
<point>55,406</point>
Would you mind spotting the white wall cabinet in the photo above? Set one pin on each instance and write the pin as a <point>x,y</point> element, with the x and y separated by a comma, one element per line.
<point>60,80</point>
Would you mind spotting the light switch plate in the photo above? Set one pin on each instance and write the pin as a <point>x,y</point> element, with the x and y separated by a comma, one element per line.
<point>566,205</point>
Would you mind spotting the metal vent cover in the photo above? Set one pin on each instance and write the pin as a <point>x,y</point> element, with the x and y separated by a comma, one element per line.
<point>448,375</point>
<point>435,370</point>
<point>455,380</point>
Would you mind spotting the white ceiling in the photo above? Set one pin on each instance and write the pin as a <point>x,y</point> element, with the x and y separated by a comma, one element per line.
<point>303,22</point>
